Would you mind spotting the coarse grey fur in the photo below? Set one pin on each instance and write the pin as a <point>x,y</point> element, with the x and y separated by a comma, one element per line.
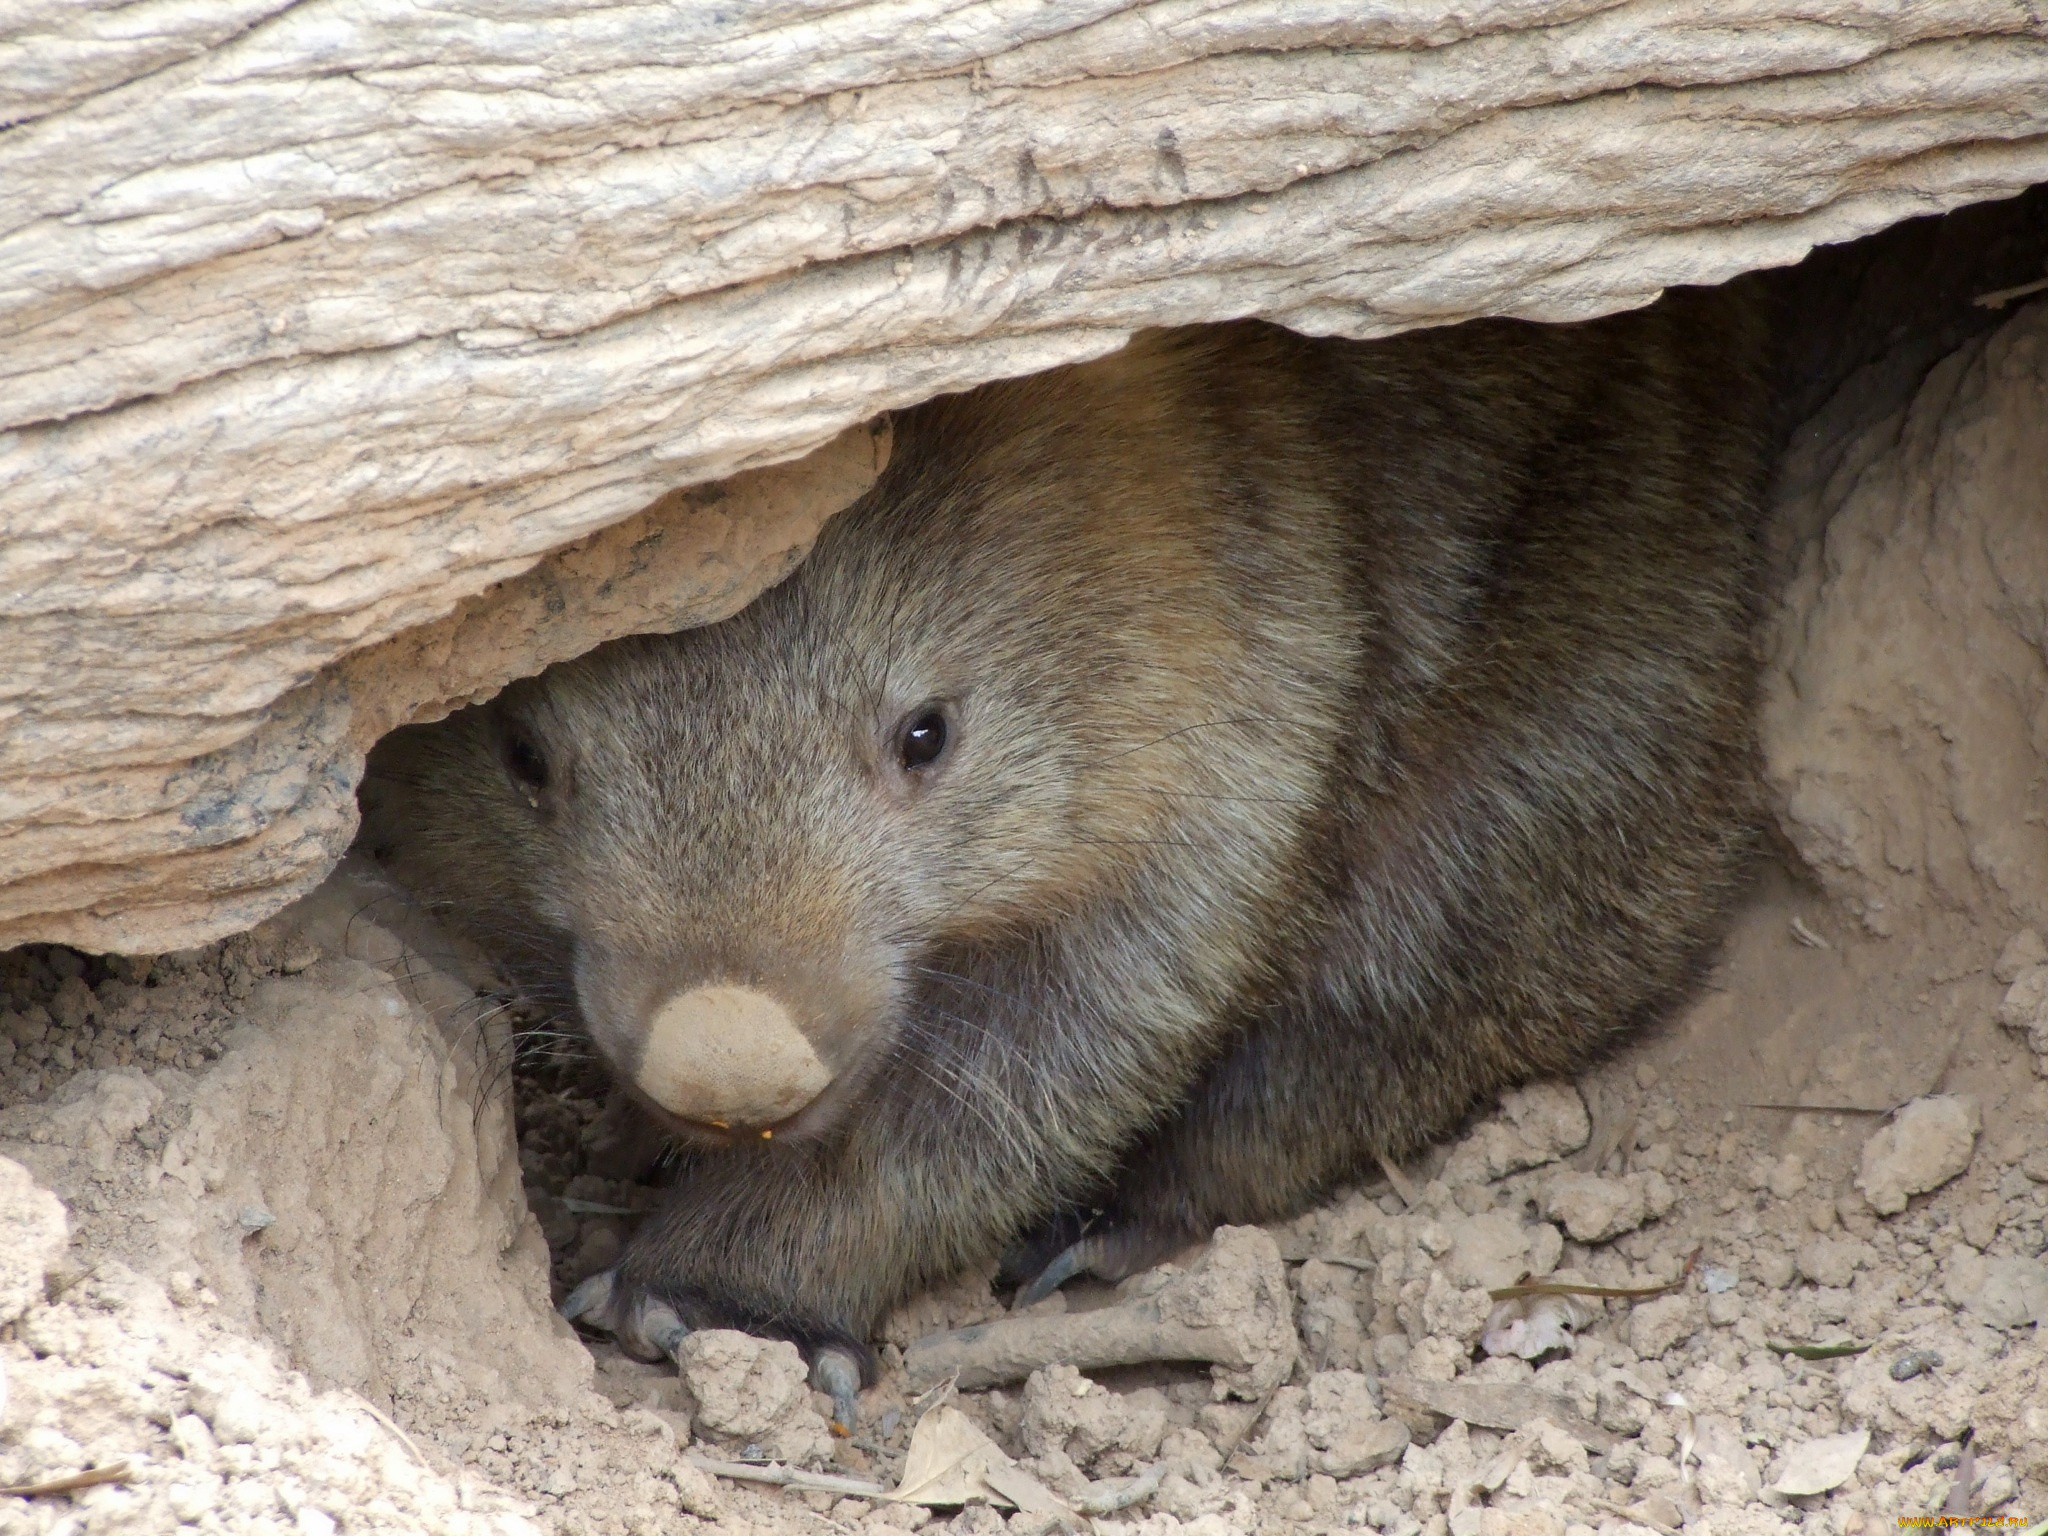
<point>1337,734</point>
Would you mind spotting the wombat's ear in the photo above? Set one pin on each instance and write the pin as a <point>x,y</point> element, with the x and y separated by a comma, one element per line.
<point>523,760</point>
<point>535,773</point>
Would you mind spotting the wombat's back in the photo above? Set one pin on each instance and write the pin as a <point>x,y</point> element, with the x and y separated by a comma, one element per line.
<point>1540,811</point>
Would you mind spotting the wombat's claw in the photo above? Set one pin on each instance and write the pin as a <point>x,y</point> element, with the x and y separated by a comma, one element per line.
<point>1086,1256</point>
<point>590,1300</point>
<point>835,1371</point>
<point>645,1327</point>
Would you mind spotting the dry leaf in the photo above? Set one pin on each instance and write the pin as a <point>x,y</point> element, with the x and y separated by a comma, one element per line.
<point>1821,1466</point>
<point>1024,1490</point>
<point>950,1461</point>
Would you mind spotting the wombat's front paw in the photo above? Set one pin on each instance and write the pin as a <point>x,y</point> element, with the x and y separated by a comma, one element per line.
<point>649,1326</point>
<point>646,1326</point>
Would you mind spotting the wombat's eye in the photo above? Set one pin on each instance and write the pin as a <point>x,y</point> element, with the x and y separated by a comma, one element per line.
<point>923,739</point>
<point>528,769</point>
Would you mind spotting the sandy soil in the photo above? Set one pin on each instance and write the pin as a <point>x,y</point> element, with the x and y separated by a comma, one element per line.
<point>1673,1150</point>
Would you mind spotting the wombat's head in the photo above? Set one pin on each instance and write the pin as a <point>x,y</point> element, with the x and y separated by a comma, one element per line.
<point>1003,689</point>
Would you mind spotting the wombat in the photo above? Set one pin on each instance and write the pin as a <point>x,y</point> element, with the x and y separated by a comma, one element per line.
<point>1185,779</point>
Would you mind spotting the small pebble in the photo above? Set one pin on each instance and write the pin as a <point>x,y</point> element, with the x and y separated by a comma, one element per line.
<point>1774,1270</point>
<point>1980,1221</point>
<point>1925,1144</point>
<point>1915,1362</point>
<point>2023,951</point>
<point>1787,1177</point>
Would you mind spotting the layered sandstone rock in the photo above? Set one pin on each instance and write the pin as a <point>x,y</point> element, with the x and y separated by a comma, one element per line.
<point>321,321</point>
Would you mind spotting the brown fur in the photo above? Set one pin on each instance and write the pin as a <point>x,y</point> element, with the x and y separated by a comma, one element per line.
<point>1343,732</point>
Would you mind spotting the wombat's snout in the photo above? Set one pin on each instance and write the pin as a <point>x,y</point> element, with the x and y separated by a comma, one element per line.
<point>729,1056</point>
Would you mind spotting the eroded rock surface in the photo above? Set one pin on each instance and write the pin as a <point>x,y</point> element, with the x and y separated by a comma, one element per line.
<point>379,1233</point>
<point>182,815</point>
<point>1902,731</point>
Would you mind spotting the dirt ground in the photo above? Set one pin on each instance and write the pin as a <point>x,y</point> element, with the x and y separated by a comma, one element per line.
<point>280,1223</point>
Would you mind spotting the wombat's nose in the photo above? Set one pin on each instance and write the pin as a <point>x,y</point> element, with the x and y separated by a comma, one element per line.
<point>729,1056</point>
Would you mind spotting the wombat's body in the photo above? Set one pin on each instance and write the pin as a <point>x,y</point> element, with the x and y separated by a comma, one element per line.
<point>1184,779</point>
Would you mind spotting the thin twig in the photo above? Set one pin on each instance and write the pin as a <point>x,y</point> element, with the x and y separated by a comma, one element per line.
<point>404,1439</point>
<point>1998,298</point>
<point>1633,1514</point>
<point>1135,1491</point>
<point>117,1473</point>
<point>1821,1109</point>
<point>1249,1424</point>
<point>790,1477</point>
<point>1403,1186</point>
<point>1615,1292</point>
<point>1807,936</point>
